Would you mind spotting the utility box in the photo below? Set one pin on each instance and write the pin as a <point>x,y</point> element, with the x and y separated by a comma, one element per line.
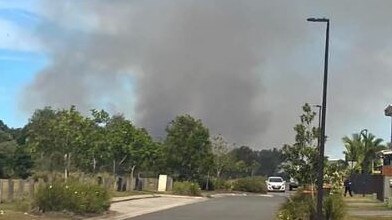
<point>162,183</point>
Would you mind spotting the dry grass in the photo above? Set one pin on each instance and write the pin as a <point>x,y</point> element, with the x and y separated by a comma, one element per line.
<point>9,214</point>
<point>360,204</point>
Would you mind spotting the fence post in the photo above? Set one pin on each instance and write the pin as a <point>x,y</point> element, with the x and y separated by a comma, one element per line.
<point>10,190</point>
<point>1,191</point>
<point>129,183</point>
<point>21,188</point>
<point>31,188</point>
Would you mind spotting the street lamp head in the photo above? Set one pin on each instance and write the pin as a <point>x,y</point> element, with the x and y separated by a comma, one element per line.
<point>318,19</point>
<point>388,110</point>
<point>363,131</point>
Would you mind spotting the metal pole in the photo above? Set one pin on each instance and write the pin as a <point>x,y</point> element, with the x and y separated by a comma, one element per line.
<point>362,170</point>
<point>319,107</point>
<point>320,178</point>
<point>319,126</point>
<point>390,143</point>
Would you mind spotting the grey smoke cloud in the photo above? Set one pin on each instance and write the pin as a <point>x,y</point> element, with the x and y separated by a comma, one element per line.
<point>243,67</point>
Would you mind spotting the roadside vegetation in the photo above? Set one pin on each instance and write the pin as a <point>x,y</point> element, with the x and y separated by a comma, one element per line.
<point>57,145</point>
<point>63,142</point>
<point>72,196</point>
<point>301,162</point>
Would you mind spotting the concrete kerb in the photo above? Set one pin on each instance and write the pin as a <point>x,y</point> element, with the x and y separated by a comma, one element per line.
<point>148,196</point>
<point>135,197</point>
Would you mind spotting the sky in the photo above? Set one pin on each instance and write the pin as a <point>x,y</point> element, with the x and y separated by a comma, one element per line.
<point>244,68</point>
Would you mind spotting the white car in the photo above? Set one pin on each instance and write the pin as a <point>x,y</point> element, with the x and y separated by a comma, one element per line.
<point>276,183</point>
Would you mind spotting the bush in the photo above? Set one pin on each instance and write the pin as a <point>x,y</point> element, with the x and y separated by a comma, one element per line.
<point>220,184</point>
<point>73,197</point>
<point>23,204</point>
<point>186,188</point>
<point>303,206</point>
<point>250,184</point>
<point>334,207</point>
<point>299,206</point>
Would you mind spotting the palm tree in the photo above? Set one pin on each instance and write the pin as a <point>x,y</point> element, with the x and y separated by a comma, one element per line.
<point>353,152</point>
<point>371,146</point>
<point>362,148</point>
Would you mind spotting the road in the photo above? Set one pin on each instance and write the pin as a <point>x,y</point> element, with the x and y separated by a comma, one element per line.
<point>225,208</point>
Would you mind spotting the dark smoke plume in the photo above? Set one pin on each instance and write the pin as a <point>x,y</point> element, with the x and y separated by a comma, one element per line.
<point>243,67</point>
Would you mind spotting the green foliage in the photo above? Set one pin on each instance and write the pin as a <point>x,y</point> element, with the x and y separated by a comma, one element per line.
<point>73,197</point>
<point>303,206</point>
<point>24,204</point>
<point>66,140</point>
<point>221,184</point>
<point>361,149</point>
<point>334,173</point>
<point>334,207</point>
<point>186,188</point>
<point>299,206</point>
<point>301,157</point>
<point>250,184</point>
<point>188,149</point>
<point>269,161</point>
<point>246,163</point>
<point>222,158</point>
<point>15,161</point>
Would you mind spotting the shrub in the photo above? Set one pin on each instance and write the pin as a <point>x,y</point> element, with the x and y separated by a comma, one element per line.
<point>299,206</point>
<point>303,206</point>
<point>23,204</point>
<point>334,207</point>
<point>220,184</point>
<point>186,188</point>
<point>73,197</point>
<point>250,184</point>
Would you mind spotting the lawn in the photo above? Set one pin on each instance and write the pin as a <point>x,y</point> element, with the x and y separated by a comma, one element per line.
<point>359,208</point>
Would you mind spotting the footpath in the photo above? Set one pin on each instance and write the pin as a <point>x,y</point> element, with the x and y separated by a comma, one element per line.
<point>368,207</point>
<point>132,206</point>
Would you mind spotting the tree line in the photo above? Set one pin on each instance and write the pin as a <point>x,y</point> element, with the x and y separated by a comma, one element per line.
<point>65,140</point>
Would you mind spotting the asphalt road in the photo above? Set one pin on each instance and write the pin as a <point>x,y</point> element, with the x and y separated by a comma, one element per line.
<point>249,207</point>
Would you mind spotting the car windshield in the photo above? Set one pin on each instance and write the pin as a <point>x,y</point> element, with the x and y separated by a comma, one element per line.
<point>275,180</point>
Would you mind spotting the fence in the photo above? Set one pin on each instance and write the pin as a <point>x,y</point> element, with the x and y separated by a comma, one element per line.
<point>368,184</point>
<point>11,189</point>
<point>15,188</point>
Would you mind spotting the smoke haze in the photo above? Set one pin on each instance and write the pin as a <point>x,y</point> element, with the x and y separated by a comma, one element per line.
<point>243,67</point>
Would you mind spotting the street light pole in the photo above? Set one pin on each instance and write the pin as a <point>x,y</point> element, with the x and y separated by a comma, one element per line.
<point>320,176</point>
<point>362,171</point>
<point>388,112</point>
<point>319,124</point>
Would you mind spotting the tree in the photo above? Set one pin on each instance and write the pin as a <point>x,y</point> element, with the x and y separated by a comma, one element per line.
<point>130,147</point>
<point>188,148</point>
<point>222,158</point>
<point>15,161</point>
<point>353,152</point>
<point>361,149</point>
<point>57,139</point>
<point>41,139</point>
<point>270,161</point>
<point>301,157</point>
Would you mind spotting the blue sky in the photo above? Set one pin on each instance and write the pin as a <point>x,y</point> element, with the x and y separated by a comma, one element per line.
<point>20,57</point>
